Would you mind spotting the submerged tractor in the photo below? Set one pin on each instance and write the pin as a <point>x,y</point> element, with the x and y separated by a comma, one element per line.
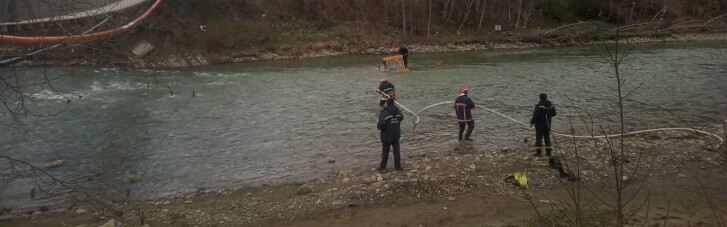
<point>395,63</point>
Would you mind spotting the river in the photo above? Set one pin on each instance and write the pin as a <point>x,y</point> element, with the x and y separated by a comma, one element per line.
<point>279,122</point>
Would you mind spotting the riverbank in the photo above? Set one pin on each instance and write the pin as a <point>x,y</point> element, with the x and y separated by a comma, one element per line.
<point>189,33</point>
<point>382,47</point>
<point>460,187</point>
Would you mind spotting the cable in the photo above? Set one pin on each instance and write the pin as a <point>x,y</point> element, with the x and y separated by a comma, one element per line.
<point>416,121</point>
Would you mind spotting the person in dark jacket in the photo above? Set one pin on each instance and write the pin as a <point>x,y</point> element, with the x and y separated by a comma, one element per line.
<point>542,116</point>
<point>389,123</point>
<point>463,108</point>
<point>405,55</point>
<point>387,91</point>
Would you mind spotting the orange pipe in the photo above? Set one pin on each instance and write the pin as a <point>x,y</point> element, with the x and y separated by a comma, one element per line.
<point>26,40</point>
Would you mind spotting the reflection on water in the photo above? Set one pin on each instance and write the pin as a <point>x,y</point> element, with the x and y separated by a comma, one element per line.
<point>274,122</point>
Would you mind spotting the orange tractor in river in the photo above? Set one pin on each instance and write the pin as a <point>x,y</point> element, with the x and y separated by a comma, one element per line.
<point>395,64</point>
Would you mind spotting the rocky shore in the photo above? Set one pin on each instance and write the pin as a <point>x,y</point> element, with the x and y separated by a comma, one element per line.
<point>460,186</point>
<point>335,48</point>
<point>186,58</point>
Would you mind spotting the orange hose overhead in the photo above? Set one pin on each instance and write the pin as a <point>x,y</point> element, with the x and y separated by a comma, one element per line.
<point>25,40</point>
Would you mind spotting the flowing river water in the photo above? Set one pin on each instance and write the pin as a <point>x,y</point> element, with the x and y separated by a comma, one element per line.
<point>279,122</point>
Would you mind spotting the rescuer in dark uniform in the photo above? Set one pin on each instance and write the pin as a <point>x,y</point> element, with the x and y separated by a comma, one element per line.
<point>405,55</point>
<point>463,107</point>
<point>389,123</point>
<point>542,115</point>
<point>386,88</point>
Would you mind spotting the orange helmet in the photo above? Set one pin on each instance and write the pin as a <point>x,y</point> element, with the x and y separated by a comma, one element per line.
<point>382,80</point>
<point>464,89</point>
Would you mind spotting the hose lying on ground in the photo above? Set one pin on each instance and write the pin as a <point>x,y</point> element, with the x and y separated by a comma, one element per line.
<point>416,121</point>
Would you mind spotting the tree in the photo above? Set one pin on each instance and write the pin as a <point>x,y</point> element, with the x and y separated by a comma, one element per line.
<point>466,15</point>
<point>482,13</point>
<point>403,16</point>
<point>429,21</point>
<point>519,13</point>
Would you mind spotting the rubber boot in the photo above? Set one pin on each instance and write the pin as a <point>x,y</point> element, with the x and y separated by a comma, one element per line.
<point>548,151</point>
<point>469,133</point>
<point>555,163</point>
<point>562,172</point>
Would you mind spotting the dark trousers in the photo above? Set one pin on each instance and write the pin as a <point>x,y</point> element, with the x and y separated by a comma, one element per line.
<point>540,134</point>
<point>385,154</point>
<point>406,61</point>
<point>470,126</point>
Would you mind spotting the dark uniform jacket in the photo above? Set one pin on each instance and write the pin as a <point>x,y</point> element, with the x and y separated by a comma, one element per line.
<point>404,51</point>
<point>463,107</point>
<point>389,124</point>
<point>543,113</point>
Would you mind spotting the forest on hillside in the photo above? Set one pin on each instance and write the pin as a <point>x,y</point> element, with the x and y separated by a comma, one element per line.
<point>225,29</point>
<point>419,17</point>
<point>264,24</point>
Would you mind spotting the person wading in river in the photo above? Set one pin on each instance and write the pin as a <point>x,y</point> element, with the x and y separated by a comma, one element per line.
<point>542,115</point>
<point>463,108</point>
<point>405,55</point>
<point>387,90</point>
<point>389,124</point>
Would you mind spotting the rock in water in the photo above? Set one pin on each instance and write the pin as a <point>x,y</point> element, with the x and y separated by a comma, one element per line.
<point>110,223</point>
<point>331,160</point>
<point>81,211</point>
<point>305,189</point>
<point>133,178</point>
<point>50,164</point>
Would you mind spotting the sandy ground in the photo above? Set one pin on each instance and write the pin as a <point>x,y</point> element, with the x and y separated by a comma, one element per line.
<point>678,183</point>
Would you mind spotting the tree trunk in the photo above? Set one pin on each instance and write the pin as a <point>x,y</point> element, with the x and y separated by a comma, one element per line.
<point>412,21</point>
<point>482,14</point>
<point>466,15</point>
<point>451,7</point>
<point>528,12</point>
<point>477,7</point>
<point>403,16</point>
<point>519,13</point>
<point>444,9</point>
<point>631,14</point>
<point>429,21</point>
<point>610,9</point>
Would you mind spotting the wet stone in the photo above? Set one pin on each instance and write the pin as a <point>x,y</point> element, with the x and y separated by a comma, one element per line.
<point>304,189</point>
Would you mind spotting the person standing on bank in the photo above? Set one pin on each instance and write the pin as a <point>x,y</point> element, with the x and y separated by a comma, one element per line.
<point>463,108</point>
<point>389,124</point>
<point>405,55</point>
<point>542,116</point>
<point>387,91</point>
